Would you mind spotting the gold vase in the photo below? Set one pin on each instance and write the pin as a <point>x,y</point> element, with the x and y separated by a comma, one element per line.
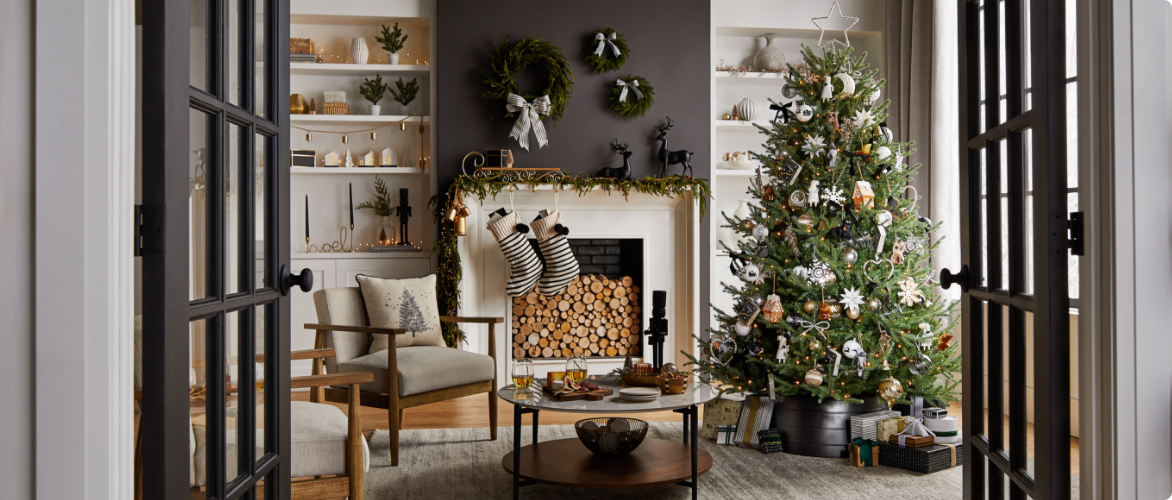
<point>298,105</point>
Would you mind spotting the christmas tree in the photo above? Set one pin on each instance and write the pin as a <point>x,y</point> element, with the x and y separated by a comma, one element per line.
<point>836,299</point>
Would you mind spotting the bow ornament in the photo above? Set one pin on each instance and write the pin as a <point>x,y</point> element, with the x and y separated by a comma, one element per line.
<point>529,116</point>
<point>603,41</point>
<point>633,85</point>
<point>820,326</point>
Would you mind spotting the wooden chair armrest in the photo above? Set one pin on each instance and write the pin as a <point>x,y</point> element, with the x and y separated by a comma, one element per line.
<point>331,379</point>
<point>311,354</point>
<point>356,329</point>
<point>470,319</point>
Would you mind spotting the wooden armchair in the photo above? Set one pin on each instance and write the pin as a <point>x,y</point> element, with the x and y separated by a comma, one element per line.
<point>404,376</point>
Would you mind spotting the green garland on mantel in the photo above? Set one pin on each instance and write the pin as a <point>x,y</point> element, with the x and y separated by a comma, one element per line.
<point>450,269</point>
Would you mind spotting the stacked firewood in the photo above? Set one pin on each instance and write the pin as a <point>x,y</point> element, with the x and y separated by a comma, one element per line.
<point>594,316</point>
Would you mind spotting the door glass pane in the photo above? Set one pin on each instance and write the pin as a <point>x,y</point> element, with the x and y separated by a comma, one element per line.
<point>984,238</point>
<point>261,32</point>
<point>980,84</point>
<point>1028,165</point>
<point>232,29</point>
<point>235,222</point>
<point>199,44</point>
<point>232,381</point>
<point>1071,40</point>
<point>261,181</point>
<point>1003,244</point>
<point>1027,77</point>
<point>983,426</point>
<point>262,314</point>
<point>198,206</point>
<point>197,376</point>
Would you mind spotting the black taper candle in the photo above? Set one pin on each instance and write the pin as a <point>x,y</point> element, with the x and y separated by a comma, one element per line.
<point>306,217</point>
<point>351,204</point>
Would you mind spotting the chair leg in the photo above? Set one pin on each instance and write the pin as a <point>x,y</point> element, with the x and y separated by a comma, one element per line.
<point>395,416</point>
<point>401,418</point>
<point>492,416</point>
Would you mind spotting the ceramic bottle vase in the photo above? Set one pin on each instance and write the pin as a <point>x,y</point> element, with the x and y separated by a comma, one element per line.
<point>358,51</point>
<point>747,109</point>
<point>769,58</point>
<point>743,212</point>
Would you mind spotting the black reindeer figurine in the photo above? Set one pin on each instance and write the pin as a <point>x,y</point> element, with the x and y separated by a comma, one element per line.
<point>623,172</point>
<point>668,157</point>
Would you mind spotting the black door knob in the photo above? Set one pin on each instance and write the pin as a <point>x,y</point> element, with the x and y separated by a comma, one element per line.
<point>289,280</point>
<point>947,278</point>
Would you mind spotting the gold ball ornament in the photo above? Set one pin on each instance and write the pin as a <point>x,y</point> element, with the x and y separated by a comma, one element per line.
<point>810,307</point>
<point>814,345</point>
<point>814,378</point>
<point>891,390</point>
<point>852,313</point>
<point>726,117</point>
<point>874,304</point>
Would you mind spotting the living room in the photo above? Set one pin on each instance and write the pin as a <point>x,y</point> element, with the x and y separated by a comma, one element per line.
<point>653,249</point>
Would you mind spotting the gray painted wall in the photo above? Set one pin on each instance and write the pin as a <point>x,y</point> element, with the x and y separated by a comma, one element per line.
<point>16,245</point>
<point>669,41</point>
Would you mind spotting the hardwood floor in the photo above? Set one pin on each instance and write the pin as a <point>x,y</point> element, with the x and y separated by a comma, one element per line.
<point>472,411</point>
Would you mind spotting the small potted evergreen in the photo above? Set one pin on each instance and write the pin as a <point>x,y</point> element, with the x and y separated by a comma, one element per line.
<point>404,93</point>
<point>392,41</point>
<point>373,91</point>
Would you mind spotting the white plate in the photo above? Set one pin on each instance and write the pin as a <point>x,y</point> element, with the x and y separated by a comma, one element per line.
<point>640,391</point>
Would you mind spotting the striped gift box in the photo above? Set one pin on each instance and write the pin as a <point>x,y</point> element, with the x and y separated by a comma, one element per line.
<point>756,415</point>
<point>770,440</point>
<point>865,425</point>
<point>726,434</point>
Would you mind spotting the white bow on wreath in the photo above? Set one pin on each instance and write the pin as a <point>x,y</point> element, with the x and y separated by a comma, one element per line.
<point>633,85</point>
<point>603,41</point>
<point>530,116</point>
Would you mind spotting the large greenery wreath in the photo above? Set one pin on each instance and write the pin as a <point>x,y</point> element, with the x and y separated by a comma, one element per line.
<point>600,63</point>
<point>508,60</point>
<point>634,105</point>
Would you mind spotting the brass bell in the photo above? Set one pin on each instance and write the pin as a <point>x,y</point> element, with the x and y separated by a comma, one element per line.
<point>451,213</point>
<point>461,226</point>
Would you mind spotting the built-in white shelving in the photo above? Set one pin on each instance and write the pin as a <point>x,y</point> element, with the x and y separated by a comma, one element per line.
<point>357,119</point>
<point>719,172</point>
<point>420,70</point>
<point>741,125</point>
<point>751,77</point>
<point>409,254</point>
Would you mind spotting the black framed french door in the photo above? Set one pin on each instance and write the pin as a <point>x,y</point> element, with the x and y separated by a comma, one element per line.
<point>1014,224</point>
<point>215,191</point>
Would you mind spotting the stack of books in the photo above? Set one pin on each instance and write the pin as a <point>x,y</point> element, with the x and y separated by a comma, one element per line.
<point>306,58</point>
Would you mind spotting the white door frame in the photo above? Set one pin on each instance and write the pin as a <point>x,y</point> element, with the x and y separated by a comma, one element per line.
<point>84,288</point>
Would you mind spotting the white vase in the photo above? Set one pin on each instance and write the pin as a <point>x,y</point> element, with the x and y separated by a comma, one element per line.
<point>743,212</point>
<point>769,58</point>
<point>358,51</point>
<point>375,109</point>
<point>392,58</point>
<point>747,108</point>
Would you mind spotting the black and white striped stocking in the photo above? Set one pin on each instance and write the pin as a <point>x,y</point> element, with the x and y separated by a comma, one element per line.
<point>524,265</point>
<point>561,267</point>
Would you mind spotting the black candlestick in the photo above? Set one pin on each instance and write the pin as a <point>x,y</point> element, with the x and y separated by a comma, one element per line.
<point>306,217</point>
<point>404,211</point>
<point>657,330</point>
<point>351,204</point>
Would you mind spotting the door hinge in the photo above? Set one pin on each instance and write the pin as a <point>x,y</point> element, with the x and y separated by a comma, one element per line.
<point>149,231</point>
<point>1075,240</point>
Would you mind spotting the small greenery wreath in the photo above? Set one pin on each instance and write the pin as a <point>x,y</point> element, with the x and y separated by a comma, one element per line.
<point>508,60</point>
<point>601,64</point>
<point>634,105</point>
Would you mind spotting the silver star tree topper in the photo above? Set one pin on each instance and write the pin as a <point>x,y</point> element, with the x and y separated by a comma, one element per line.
<point>845,35</point>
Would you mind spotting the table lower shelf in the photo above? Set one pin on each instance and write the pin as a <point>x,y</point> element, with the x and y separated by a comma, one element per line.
<point>567,462</point>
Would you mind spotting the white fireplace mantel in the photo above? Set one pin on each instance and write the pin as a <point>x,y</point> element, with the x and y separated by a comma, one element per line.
<point>669,227</point>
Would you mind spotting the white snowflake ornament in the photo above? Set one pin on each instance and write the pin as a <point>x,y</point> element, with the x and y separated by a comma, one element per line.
<point>863,118</point>
<point>909,292</point>
<point>819,273</point>
<point>851,299</point>
<point>815,145</point>
<point>833,193</point>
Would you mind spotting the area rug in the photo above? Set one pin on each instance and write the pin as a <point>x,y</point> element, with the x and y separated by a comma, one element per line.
<point>464,464</point>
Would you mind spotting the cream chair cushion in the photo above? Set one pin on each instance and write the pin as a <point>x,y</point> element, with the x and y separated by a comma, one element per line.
<point>423,369</point>
<point>318,435</point>
<point>410,304</point>
<point>342,306</point>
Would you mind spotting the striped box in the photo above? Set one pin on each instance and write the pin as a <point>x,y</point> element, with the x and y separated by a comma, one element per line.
<point>865,425</point>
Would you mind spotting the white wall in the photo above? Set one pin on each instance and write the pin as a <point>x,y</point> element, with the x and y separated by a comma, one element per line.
<point>1144,204</point>
<point>16,245</point>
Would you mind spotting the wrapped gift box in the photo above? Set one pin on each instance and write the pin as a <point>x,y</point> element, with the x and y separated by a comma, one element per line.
<point>864,453</point>
<point>723,411</point>
<point>945,428</point>
<point>864,426</point>
<point>911,441</point>
<point>756,416</point>
<point>928,459</point>
<point>888,427</point>
<point>725,434</point>
<point>935,412</point>
<point>770,440</point>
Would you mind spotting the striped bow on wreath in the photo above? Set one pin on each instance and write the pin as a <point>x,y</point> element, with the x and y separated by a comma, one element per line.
<point>603,41</point>
<point>529,116</point>
<point>632,85</point>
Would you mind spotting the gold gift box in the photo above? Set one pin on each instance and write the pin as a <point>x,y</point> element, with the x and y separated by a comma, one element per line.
<point>888,427</point>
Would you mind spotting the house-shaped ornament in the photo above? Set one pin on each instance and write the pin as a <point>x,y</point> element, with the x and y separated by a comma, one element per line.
<point>368,159</point>
<point>332,159</point>
<point>388,158</point>
<point>863,196</point>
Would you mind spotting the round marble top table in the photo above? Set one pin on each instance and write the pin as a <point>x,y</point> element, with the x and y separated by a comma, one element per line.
<point>533,397</point>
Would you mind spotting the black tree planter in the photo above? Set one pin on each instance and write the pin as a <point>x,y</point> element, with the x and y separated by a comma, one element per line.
<point>814,429</point>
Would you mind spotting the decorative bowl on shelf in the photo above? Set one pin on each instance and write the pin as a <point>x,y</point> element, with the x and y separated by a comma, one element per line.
<point>611,435</point>
<point>738,165</point>
<point>672,385</point>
